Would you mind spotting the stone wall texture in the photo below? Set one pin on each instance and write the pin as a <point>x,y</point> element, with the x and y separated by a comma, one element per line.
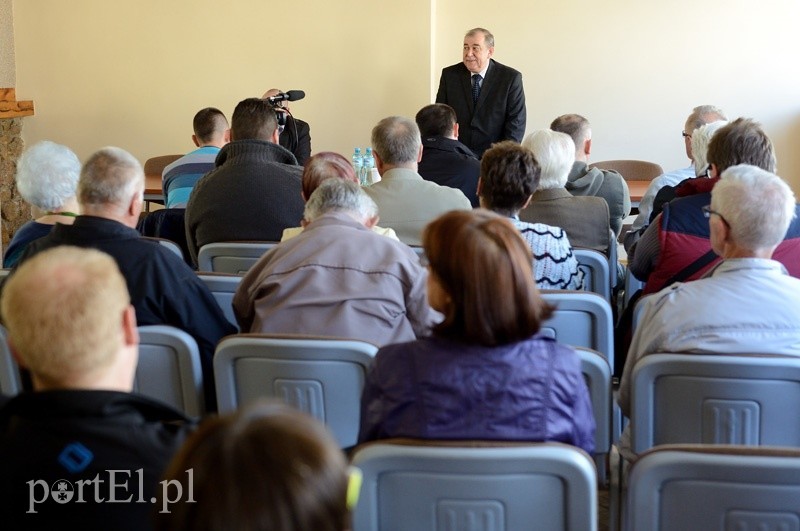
<point>15,211</point>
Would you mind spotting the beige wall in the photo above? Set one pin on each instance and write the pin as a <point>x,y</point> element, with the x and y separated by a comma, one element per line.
<point>133,74</point>
<point>7,71</point>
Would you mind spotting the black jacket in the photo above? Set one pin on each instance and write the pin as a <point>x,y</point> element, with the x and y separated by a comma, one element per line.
<point>54,438</point>
<point>448,162</point>
<point>500,112</point>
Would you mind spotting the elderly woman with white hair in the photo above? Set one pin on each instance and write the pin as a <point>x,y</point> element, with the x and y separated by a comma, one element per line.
<point>585,219</point>
<point>47,177</point>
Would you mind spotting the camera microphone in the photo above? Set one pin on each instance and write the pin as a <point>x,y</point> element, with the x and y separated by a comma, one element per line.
<point>292,95</point>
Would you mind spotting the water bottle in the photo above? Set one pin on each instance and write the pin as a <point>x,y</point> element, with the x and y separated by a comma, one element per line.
<point>358,163</point>
<point>368,165</point>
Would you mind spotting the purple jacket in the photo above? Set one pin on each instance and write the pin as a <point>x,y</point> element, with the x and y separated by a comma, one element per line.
<point>435,388</point>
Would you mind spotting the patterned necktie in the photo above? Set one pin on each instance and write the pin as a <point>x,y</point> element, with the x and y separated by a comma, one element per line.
<point>476,87</point>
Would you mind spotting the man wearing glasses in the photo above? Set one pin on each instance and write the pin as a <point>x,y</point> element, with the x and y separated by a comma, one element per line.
<point>746,303</point>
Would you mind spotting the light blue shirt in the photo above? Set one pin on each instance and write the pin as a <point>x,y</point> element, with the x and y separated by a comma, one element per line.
<point>646,204</point>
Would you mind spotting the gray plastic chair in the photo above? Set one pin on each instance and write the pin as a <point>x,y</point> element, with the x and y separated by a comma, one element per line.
<point>543,487</point>
<point>167,244</point>
<point>596,271</point>
<point>581,319</point>
<point>10,379</point>
<point>222,286</point>
<point>169,369</point>
<point>680,488</point>
<point>597,373</point>
<point>322,376</point>
<point>231,257</point>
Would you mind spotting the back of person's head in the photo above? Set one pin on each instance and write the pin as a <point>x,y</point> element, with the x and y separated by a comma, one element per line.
<point>396,140</point>
<point>265,468</point>
<point>742,141</point>
<point>63,309</point>
<point>209,124</point>
<point>757,205</point>
<point>485,267</point>
<point>700,139</point>
<point>555,153</point>
<point>509,176</point>
<point>436,119</point>
<point>323,166</point>
<point>701,115</point>
<point>47,175</point>
<point>111,176</point>
<point>253,119</point>
<point>339,195</point>
<point>576,126</point>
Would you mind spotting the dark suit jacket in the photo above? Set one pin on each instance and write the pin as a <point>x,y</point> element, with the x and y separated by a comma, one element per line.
<point>448,162</point>
<point>300,143</point>
<point>500,111</point>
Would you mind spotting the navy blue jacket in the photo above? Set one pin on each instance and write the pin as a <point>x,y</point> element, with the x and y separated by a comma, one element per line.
<point>448,162</point>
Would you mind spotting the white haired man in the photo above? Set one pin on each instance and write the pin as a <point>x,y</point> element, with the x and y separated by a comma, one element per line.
<point>405,200</point>
<point>337,278</point>
<point>747,302</point>
<point>81,439</point>
<point>163,289</point>
<point>584,218</point>
<point>701,115</point>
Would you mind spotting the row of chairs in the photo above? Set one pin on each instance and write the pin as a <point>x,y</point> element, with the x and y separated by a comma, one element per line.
<point>238,257</point>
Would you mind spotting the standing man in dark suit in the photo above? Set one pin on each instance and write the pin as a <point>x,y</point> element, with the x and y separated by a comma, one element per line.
<point>486,95</point>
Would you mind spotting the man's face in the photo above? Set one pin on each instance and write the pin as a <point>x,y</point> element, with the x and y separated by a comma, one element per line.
<point>476,54</point>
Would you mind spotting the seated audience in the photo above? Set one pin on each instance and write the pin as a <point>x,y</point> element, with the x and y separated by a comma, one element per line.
<point>509,177</point>
<point>81,435</point>
<point>405,200</point>
<point>676,246</point>
<point>211,132</point>
<point>163,289</point>
<point>337,278</point>
<point>319,168</point>
<point>445,160</point>
<point>747,303</point>
<point>699,141</point>
<point>701,115</point>
<point>585,181</point>
<point>47,175</point>
<point>266,467</point>
<point>296,134</point>
<point>585,219</point>
<point>254,191</point>
<point>484,373</point>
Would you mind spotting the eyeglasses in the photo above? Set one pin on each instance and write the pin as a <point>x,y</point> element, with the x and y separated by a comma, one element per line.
<point>684,134</point>
<point>707,213</point>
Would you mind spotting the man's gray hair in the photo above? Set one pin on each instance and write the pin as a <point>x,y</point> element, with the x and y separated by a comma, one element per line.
<point>338,195</point>
<point>576,126</point>
<point>110,177</point>
<point>47,175</point>
<point>701,137</point>
<point>701,115</point>
<point>757,205</point>
<point>396,140</point>
<point>555,153</point>
<point>488,38</point>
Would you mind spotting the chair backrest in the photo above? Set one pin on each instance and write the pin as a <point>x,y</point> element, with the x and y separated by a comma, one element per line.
<point>715,399</point>
<point>223,287</point>
<point>231,257</point>
<point>632,285</point>
<point>154,166</point>
<point>167,244</point>
<point>323,377</point>
<point>631,170</point>
<point>545,486</point>
<point>597,373</point>
<point>10,378</point>
<point>169,369</point>
<point>679,488</point>
<point>595,267</point>
<point>581,319</point>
